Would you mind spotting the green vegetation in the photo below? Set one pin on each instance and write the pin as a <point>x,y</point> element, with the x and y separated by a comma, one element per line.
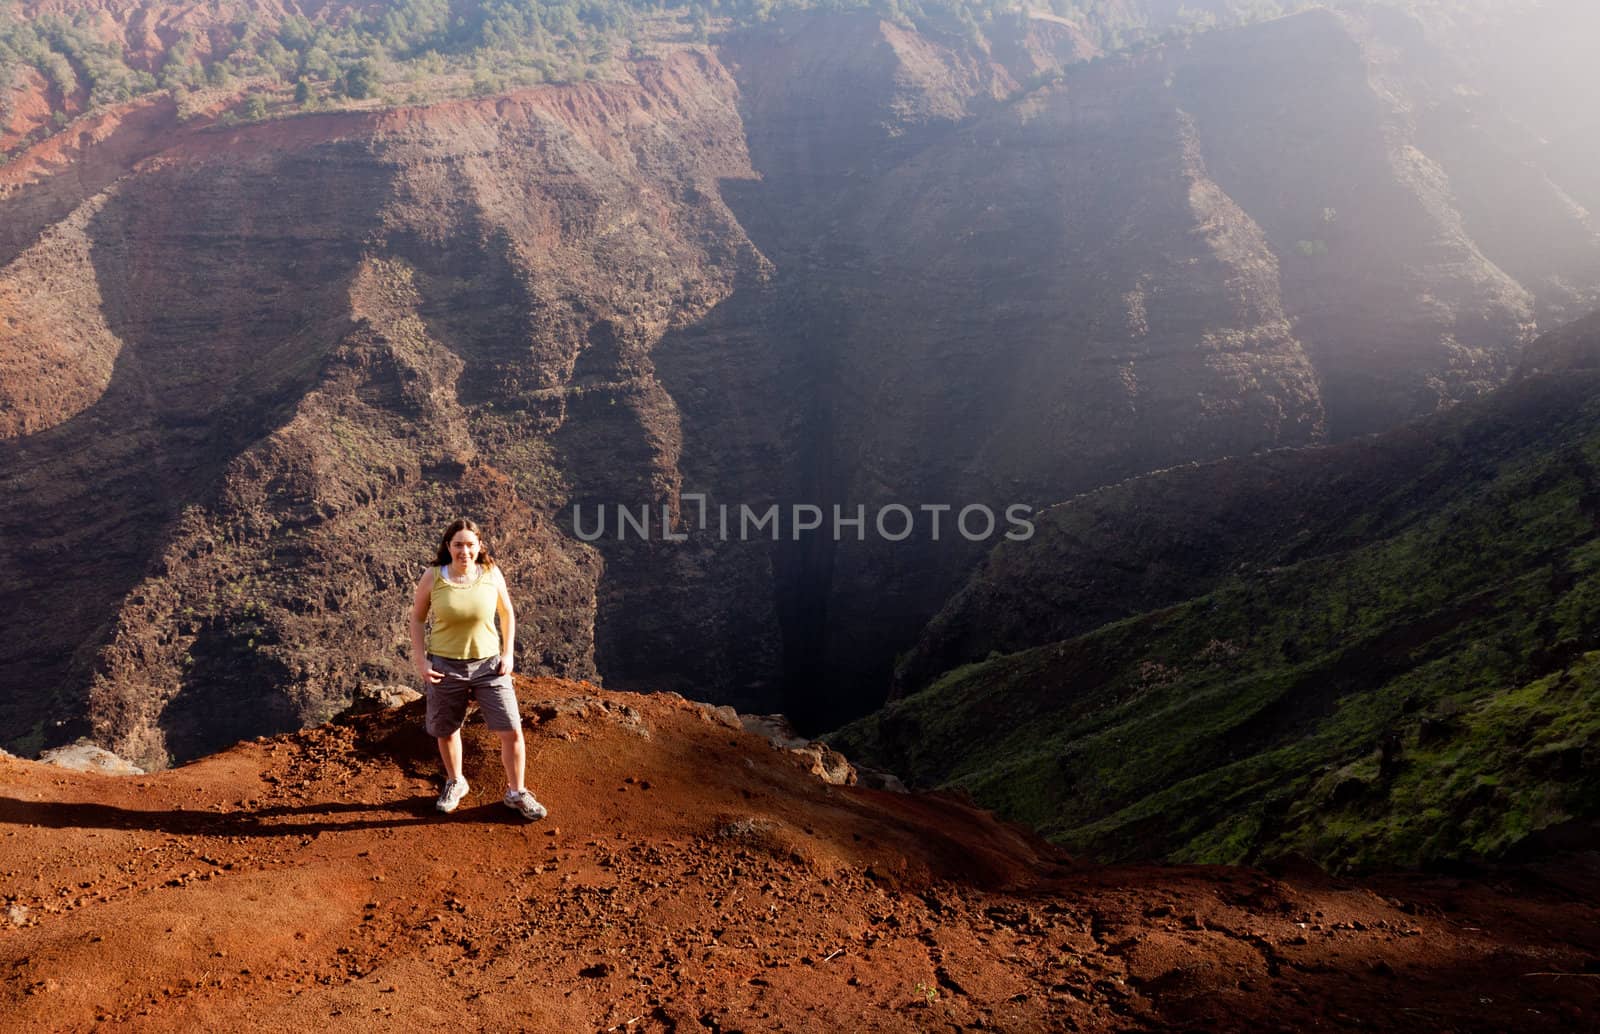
<point>1115,25</point>
<point>76,63</point>
<point>494,45</point>
<point>29,744</point>
<point>1425,692</point>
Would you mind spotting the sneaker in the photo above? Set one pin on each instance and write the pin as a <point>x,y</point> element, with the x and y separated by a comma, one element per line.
<point>454,790</point>
<point>524,802</point>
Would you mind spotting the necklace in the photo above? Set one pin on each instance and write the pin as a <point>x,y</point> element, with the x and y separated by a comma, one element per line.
<point>464,578</point>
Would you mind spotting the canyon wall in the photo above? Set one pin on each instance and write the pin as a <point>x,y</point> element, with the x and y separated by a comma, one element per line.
<point>246,374</point>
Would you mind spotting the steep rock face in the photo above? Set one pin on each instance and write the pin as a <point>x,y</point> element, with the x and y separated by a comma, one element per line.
<point>306,387</point>
<point>1213,247</point>
<point>205,353</point>
<point>630,245</point>
<point>43,184</point>
<point>1329,103</point>
<point>1524,222</point>
<point>940,333</point>
<point>1399,307</point>
<point>56,350</point>
<point>1537,64</point>
<point>1038,302</point>
<point>825,96</point>
<point>1446,93</point>
<point>827,104</point>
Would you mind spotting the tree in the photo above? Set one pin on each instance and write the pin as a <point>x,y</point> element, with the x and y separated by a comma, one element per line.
<point>319,64</point>
<point>279,59</point>
<point>485,83</point>
<point>362,80</point>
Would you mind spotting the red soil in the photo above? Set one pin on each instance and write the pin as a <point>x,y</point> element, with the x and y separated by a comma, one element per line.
<point>691,877</point>
<point>25,106</point>
<point>114,138</point>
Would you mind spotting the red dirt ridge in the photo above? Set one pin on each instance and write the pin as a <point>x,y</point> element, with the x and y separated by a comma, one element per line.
<point>691,877</point>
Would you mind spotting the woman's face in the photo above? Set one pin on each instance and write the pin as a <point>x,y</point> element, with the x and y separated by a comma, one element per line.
<point>464,547</point>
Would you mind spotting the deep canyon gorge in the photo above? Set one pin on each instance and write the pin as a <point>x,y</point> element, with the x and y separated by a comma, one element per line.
<point>246,371</point>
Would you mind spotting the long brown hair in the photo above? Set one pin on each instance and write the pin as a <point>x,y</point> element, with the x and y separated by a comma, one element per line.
<point>442,557</point>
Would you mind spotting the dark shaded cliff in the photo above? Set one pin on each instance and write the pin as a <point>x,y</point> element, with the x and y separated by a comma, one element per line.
<point>1214,246</point>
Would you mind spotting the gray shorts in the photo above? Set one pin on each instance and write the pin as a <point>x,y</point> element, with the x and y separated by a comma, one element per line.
<point>470,680</point>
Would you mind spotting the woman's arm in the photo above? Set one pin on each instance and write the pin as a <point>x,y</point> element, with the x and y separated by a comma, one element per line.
<point>508,622</point>
<point>420,604</point>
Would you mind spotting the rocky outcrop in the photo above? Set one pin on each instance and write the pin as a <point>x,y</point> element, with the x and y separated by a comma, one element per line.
<point>822,760</point>
<point>377,696</point>
<point>1573,347</point>
<point>87,757</point>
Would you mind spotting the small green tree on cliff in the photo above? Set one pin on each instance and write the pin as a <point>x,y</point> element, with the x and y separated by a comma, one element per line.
<point>361,80</point>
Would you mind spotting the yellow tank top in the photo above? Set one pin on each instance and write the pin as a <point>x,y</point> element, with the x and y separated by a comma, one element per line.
<point>461,618</point>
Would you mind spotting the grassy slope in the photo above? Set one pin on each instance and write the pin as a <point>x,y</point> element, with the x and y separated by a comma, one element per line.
<point>1458,623</point>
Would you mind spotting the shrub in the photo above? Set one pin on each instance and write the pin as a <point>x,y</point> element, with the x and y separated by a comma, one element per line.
<point>362,80</point>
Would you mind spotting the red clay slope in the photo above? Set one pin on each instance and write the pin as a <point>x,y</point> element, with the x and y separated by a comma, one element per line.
<point>693,878</point>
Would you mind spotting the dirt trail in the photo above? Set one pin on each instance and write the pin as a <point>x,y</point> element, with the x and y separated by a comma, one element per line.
<point>691,877</point>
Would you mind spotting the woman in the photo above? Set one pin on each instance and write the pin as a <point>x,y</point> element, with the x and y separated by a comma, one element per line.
<point>458,654</point>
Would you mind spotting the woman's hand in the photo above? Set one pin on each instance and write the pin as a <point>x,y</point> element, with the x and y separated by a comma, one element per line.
<point>420,605</point>
<point>508,620</point>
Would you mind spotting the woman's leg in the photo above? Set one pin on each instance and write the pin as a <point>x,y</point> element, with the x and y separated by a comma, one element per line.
<point>450,753</point>
<point>513,756</point>
<point>447,709</point>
